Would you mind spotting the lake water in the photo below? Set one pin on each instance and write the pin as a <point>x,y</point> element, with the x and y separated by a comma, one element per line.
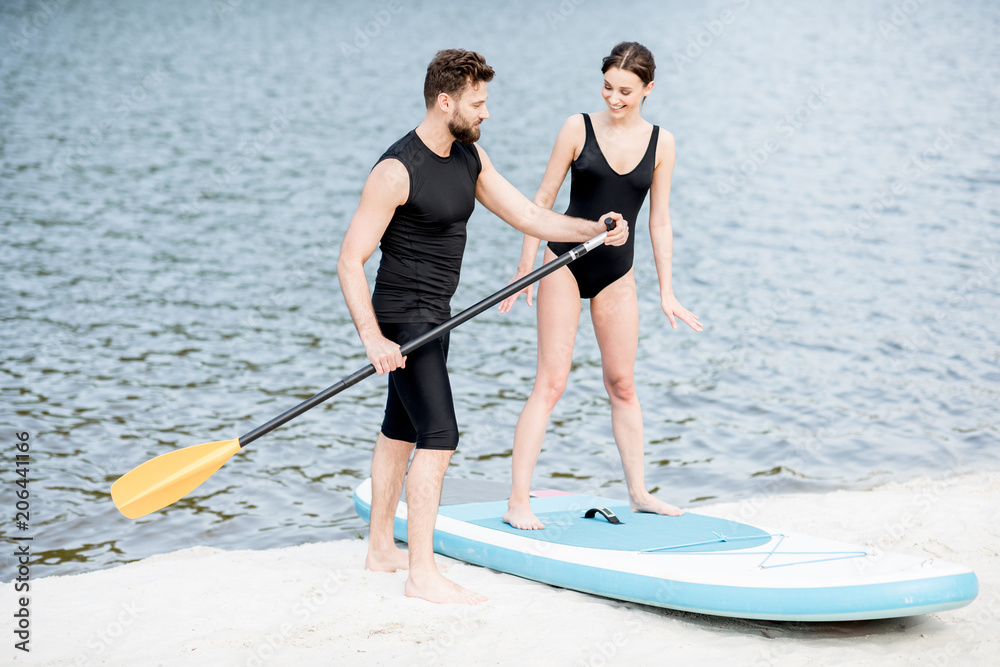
<point>176,179</point>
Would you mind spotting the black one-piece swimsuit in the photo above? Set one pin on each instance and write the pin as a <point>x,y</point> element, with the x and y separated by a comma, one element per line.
<point>595,189</point>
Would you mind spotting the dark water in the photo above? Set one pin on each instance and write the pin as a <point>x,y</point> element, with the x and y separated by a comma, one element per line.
<point>176,179</point>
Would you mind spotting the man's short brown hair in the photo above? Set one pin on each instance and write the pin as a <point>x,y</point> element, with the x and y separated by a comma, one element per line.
<point>450,70</point>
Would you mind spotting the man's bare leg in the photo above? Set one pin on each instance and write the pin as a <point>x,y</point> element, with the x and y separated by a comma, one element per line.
<point>423,495</point>
<point>388,472</point>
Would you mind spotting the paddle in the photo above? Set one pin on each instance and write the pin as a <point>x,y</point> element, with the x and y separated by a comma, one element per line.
<point>169,477</point>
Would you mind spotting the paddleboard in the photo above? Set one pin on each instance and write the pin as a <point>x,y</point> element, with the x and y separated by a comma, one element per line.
<point>693,563</point>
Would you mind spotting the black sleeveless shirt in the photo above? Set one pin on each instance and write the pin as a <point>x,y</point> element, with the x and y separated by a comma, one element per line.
<point>423,245</point>
<point>595,189</point>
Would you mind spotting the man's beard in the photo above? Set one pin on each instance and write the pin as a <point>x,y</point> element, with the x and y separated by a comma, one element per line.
<point>463,131</point>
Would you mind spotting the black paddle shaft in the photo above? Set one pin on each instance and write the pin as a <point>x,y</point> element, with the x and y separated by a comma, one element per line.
<point>439,330</point>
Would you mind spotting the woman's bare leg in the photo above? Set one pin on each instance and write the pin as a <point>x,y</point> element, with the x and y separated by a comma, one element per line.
<point>558,305</point>
<point>615,313</point>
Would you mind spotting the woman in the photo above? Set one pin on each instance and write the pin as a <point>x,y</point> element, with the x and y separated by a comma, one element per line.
<point>616,157</point>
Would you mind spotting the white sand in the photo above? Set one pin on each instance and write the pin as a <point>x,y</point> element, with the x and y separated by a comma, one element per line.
<point>316,605</point>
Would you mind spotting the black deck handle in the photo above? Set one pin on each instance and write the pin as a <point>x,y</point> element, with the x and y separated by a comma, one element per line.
<point>605,512</point>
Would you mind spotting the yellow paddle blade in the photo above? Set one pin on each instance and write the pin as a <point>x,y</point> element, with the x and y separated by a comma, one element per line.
<point>169,477</point>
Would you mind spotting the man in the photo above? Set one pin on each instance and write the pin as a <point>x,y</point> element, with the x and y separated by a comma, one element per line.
<point>416,202</point>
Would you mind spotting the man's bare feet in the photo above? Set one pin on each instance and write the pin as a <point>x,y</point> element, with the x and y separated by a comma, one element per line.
<point>653,505</point>
<point>520,516</point>
<point>387,560</point>
<point>433,587</point>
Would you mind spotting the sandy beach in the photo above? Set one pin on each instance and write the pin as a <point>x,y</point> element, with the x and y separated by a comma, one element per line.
<point>316,605</point>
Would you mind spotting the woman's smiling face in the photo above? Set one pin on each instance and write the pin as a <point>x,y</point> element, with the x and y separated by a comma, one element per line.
<point>623,91</point>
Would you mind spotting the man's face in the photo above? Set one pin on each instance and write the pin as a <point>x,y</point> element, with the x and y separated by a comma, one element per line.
<point>469,111</point>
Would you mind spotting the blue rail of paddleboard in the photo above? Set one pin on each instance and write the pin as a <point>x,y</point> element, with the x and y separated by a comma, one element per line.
<point>870,601</point>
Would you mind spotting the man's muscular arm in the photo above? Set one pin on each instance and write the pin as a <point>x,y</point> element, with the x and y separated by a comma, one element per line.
<point>387,187</point>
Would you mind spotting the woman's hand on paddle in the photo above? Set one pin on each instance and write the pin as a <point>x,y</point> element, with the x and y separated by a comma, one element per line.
<point>675,311</point>
<point>507,304</point>
<point>384,355</point>
<point>619,234</point>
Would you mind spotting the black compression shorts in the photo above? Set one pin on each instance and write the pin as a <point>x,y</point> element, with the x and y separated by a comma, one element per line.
<point>420,407</point>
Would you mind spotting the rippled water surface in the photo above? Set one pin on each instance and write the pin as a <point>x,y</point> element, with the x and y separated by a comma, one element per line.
<point>176,179</point>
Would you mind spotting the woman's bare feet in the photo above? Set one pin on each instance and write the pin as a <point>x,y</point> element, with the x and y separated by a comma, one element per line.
<point>649,503</point>
<point>433,587</point>
<point>520,516</point>
<point>387,560</point>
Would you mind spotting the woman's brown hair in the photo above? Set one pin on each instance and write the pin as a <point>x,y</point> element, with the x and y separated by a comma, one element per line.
<point>631,57</point>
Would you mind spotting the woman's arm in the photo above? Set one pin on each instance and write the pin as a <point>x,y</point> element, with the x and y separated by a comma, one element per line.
<point>568,143</point>
<point>661,232</point>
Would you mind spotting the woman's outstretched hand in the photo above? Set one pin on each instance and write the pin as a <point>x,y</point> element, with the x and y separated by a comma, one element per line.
<point>508,303</point>
<point>675,311</point>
